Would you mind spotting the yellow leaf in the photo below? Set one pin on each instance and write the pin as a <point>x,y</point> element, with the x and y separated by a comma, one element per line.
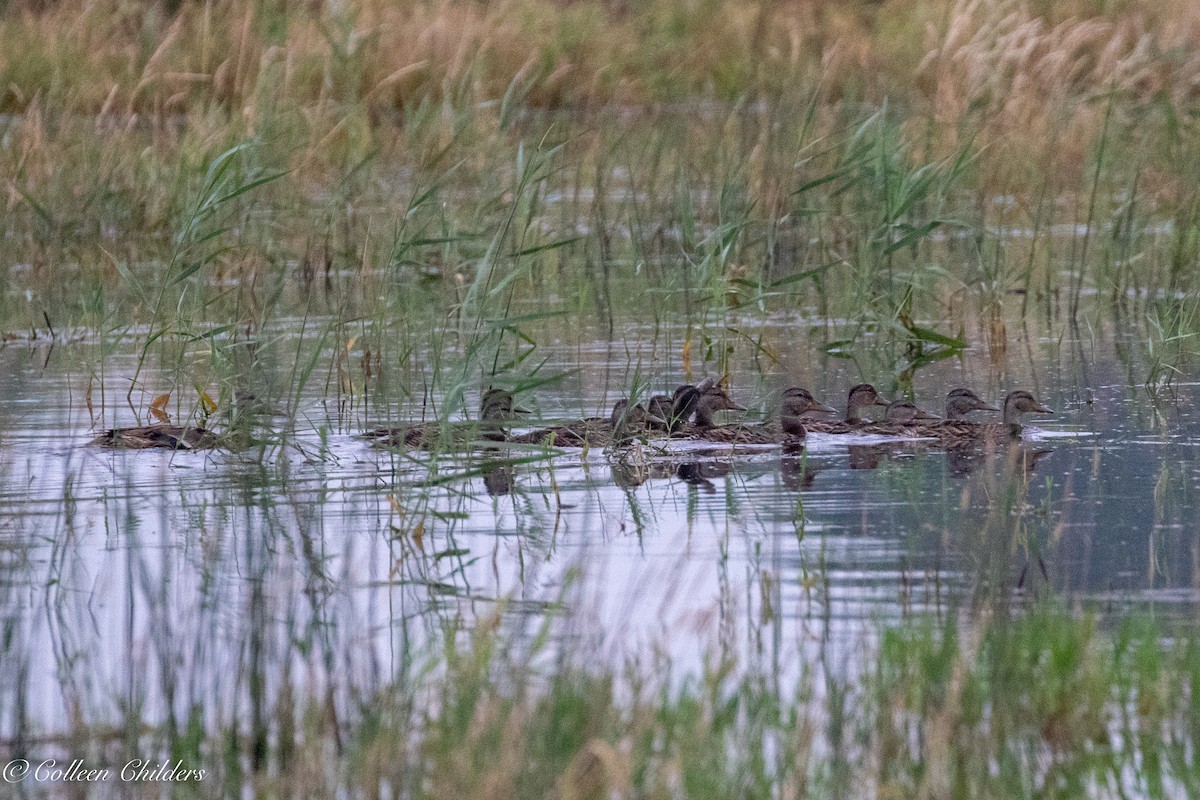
<point>158,408</point>
<point>687,356</point>
<point>208,403</point>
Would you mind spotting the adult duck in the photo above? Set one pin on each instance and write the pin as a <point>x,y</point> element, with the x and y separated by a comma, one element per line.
<point>860,398</point>
<point>170,437</point>
<point>1016,404</point>
<point>496,409</point>
<point>709,401</point>
<point>962,401</point>
<point>676,409</point>
<point>901,418</point>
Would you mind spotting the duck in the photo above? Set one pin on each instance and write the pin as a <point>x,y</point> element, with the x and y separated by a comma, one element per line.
<point>170,437</point>
<point>956,428</point>
<point>496,408</point>
<point>962,401</point>
<point>901,418</point>
<point>676,409</point>
<point>790,430</point>
<point>708,402</point>
<point>860,397</point>
<point>625,422</point>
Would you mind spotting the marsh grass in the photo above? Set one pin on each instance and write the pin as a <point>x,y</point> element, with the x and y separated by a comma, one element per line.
<point>1037,701</point>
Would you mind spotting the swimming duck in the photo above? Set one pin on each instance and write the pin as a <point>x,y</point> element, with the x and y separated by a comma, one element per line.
<point>708,403</point>
<point>170,437</point>
<point>677,408</point>
<point>789,430</point>
<point>496,408</point>
<point>1015,404</point>
<point>962,401</point>
<point>902,418</point>
<point>860,397</point>
<point>625,422</point>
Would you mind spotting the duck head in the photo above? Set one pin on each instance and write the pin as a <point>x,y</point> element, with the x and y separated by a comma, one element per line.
<point>796,403</point>
<point>712,400</point>
<point>860,397</point>
<point>1018,403</point>
<point>902,412</point>
<point>499,404</point>
<point>496,407</point>
<point>960,402</point>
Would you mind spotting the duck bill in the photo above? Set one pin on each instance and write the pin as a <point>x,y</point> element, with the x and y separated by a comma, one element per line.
<point>821,407</point>
<point>735,406</point>
<point>879,401</point>
<point>926,415</point>
<point>521,410</point>
<point>987,408</point>
<point>656,420</point>
<point>1041,409</point>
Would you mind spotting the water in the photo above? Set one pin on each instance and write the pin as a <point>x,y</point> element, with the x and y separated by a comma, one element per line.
<point>152,581</point>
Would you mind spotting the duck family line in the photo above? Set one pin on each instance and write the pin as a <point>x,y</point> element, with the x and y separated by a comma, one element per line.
<point>689,413</point>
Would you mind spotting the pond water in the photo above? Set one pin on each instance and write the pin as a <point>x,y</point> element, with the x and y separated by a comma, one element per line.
<point>147,579</point>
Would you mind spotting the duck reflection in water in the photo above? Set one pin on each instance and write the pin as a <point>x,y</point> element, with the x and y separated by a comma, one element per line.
<point>630,474</point>
<point>630,469</point>
<point>797,473</point>
<point>701,473</point>
<point>965,458</point>
<point>499,477</point>
<point>870,456</point>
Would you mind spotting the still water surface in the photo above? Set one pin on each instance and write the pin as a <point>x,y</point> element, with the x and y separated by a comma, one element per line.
<point>142,580</point>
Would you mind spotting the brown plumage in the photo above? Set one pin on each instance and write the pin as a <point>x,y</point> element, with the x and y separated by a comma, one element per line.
<point>170,437</point>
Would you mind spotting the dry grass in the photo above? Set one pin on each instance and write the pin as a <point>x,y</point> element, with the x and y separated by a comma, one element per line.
<point>111,56</point>
<point>1025,76</point>
<point>326,85</point>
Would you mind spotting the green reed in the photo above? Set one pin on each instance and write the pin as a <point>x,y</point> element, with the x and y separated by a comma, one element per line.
<point>862,226</point>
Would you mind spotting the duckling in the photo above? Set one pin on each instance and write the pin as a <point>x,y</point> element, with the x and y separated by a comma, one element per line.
<point>902,418</point>
<point>709,402</point>
<point>860,397</point>
<point>789,430</point>
<point>1015,404</point>
<point>496,408</point>
<point>625,422</point>
<point>170,437</point>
